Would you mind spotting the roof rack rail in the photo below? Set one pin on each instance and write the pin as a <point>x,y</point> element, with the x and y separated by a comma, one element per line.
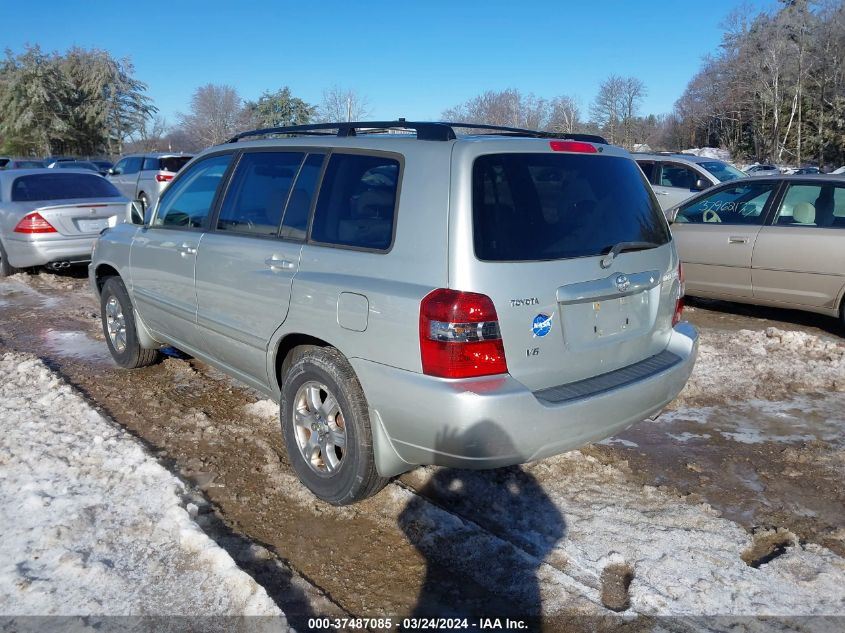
<point>426,130</point>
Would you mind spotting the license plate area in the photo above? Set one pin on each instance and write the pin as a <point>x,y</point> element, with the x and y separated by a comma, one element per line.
<point>603,319</point>
<point>92,225</point>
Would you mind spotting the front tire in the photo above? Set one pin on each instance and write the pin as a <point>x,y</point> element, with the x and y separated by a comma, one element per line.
<point>6,268</point>
<point>326,426</point>
<point>118,318</point>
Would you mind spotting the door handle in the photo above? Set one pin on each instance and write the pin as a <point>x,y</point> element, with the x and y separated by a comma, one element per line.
<point>662,193</point>
<point>186,249</point>
<point>733,239</point>
<point>274,262</point>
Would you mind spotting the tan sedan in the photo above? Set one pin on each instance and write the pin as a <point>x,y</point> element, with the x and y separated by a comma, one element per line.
<point>777,241</point>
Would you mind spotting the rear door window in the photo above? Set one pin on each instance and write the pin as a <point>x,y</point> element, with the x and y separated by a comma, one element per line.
<point>534,207</point>
<point>295,221</point>
<point>678,176</point>
<point>357,202</point>
<point>259,192</point>
<point>187,202</point>
<point>150,164</point>
<point>821,206</point>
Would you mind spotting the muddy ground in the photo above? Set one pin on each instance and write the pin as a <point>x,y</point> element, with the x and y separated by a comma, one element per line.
<point>756,452</point>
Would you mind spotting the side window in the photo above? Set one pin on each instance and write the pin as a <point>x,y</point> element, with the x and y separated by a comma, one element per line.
<point>357,202</point>
<point>133,165</point>
<point>648,169</point>
<point>187,203</point>
<point>813,205</point>
<point>739,204</point>
<point>295,221</point>
<point>118,169</point>
<point>674,175</point>
<point>150,164</point>
<point>258,192</point>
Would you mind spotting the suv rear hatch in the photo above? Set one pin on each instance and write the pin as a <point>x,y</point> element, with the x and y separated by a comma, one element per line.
<point>534,231</point>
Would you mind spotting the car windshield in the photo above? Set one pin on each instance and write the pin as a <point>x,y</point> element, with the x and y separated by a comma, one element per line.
<point>557,206</point>
<point>173,163</point>
<point>722,171</point>
<point>57,186</point>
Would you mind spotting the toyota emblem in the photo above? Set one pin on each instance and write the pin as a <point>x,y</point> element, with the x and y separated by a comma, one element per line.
<point>622,283</point>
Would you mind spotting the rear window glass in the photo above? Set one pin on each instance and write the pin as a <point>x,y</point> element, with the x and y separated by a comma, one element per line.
<point>173,163</point>
<point>530,207</point>
<point>58,186</point>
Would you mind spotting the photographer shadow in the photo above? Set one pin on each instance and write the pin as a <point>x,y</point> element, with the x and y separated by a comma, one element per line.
<point>483,534</point>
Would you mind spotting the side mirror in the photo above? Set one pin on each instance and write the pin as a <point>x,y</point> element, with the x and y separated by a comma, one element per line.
<point>137,212</point>
<point>700,185</point>
<point>671,214</point>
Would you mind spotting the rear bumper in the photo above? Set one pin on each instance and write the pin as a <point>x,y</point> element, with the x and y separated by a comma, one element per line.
<point>493,422</point>
<point>25,253</point>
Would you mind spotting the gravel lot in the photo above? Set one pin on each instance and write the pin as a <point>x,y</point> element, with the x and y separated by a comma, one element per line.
<point>731,502</point>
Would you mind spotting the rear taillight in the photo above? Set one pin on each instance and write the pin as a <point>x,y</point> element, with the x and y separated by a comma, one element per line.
<point>459,335</point>
<point>164,177</point>
<point>34,223</point>
<point>573,146</point>
<point>679,304</point>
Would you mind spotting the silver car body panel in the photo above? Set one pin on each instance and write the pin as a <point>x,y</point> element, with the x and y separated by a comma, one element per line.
<point>226,305</point>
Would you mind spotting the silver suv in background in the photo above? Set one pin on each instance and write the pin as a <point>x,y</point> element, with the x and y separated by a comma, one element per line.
<point>144,176</point>
<point>421,298</point>
<point>676,177</point>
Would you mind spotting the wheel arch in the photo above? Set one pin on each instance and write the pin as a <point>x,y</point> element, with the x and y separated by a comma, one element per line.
<point>284,347</point>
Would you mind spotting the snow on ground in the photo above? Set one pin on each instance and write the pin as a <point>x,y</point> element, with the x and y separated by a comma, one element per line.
<point>93,525</point>
<point>771,364</point>
<point>709,152</point>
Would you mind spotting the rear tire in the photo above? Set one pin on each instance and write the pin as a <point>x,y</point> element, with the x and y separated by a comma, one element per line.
<point>6,268</point>
<point>118,319</point>
<point>326,426</point>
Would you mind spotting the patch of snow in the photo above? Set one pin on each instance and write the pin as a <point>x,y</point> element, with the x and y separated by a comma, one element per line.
<point>709,152</point>
<point>642,147</point>
<point>553,526</point>
<point>92,524</point>
<point>738,366</point>
<point>266,409</point>
<point>686,436</point>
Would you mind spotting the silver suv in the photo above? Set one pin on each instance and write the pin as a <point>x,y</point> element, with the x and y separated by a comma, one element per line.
<point>143,177</point>
<point>420,298</point>
<point>676,177</point>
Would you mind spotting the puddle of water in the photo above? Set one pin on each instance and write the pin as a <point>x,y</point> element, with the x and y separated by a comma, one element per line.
<point>75,344</point>
<point>802,419</point>
<point>23,295</point>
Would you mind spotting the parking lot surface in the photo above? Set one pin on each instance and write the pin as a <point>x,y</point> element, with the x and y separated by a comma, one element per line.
<point>729,502</point>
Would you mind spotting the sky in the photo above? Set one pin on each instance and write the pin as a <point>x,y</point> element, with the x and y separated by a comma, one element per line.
<point>410,59</point>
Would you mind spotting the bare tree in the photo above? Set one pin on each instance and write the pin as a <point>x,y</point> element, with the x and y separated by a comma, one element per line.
<point>215,116</point>
<point>633,92</point>
<point>343,104</point>
<point>608,107</point>
<point>150,137</point>
<point>565,115</point>
<point>509,108</point>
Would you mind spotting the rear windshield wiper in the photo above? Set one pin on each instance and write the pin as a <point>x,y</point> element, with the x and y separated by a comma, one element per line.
<point>621,247</point>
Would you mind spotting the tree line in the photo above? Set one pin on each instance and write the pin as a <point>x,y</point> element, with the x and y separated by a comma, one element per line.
<point>775,89</point>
